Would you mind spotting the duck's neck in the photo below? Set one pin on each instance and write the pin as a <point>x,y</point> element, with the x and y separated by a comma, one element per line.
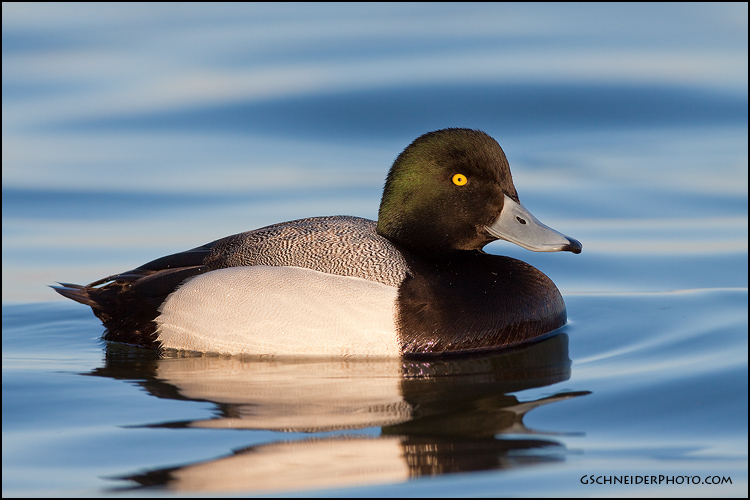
<point>428,247</point>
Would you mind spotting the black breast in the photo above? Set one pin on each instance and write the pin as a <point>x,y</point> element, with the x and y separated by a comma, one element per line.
<point>476,302</point>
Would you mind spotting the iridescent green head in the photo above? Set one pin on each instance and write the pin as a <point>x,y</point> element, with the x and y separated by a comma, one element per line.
<point>445,193</point>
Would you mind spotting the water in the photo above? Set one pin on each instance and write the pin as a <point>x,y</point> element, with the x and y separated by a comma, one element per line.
<point>131,132</point>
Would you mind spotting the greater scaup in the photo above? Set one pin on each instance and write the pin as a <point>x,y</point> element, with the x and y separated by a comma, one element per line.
<point>415,283</point>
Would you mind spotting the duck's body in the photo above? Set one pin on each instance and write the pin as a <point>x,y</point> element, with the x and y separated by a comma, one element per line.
<point>415,282</point>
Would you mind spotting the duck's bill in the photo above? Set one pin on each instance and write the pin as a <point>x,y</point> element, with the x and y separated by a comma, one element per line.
<point>517,225</point>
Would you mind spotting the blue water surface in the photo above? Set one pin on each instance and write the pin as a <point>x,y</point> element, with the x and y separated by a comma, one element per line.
<point>132,131</point>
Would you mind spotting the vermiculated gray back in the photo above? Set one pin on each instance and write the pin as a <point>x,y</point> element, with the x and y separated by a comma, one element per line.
<point>340,245</point>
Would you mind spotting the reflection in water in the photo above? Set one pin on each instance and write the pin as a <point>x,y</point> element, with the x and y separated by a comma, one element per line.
<point>436,416</point>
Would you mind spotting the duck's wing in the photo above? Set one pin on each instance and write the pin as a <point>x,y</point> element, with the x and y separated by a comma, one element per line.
<point>340,245</point>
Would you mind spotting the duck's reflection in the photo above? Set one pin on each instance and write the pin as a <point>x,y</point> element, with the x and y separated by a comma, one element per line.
<point>435,416</point>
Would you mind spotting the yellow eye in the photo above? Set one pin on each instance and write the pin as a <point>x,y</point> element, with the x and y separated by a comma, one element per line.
<point>459,179</point>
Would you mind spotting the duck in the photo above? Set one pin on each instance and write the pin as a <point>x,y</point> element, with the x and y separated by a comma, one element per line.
<point>416,282</point>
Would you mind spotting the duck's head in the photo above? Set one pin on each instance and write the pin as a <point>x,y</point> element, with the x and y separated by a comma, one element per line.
<point>451,190</point>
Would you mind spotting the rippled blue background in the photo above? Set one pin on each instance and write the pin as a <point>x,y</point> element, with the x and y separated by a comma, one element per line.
<point>135,130</point>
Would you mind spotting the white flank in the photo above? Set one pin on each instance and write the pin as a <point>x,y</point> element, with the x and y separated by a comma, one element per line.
<point>269,310</point>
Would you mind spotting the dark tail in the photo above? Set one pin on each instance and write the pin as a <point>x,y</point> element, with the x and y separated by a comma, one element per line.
<point>128,303</point>
<point>74,292</point>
